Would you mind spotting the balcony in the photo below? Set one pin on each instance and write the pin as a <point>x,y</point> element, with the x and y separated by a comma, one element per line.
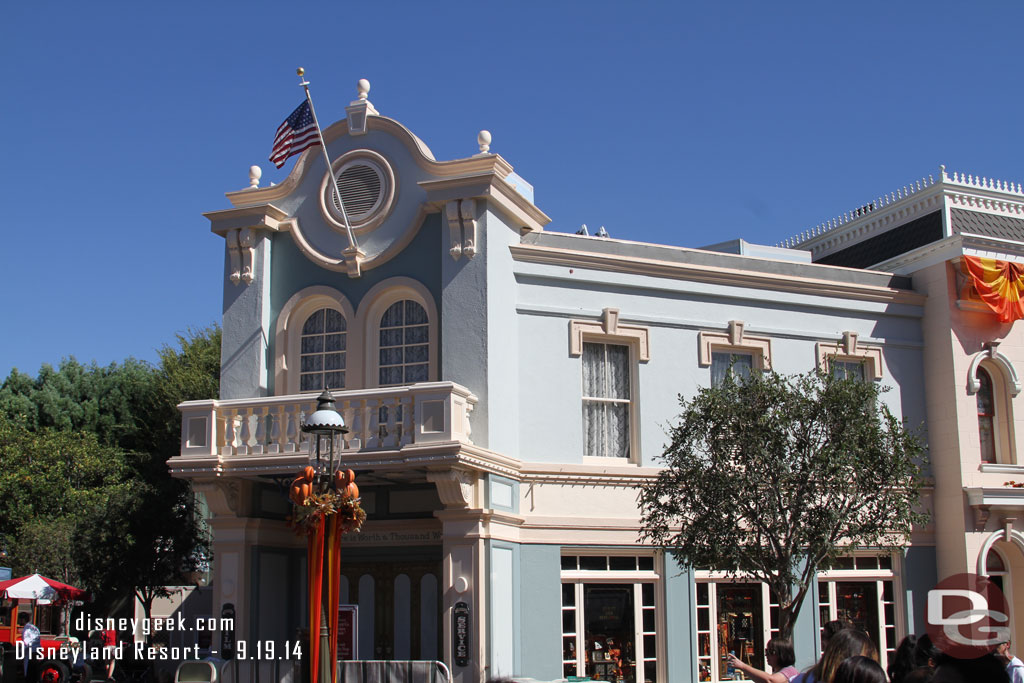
<point>264,432</point>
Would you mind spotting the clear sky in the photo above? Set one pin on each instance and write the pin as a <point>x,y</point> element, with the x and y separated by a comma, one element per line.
<point>678,123</point>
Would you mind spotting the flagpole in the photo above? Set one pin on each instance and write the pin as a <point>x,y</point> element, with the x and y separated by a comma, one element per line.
<point>330,169</point>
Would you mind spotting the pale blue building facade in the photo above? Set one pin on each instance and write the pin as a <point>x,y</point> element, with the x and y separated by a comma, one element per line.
<point>508,386</point>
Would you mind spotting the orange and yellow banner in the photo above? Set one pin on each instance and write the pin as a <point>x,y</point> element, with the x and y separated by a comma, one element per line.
<point>1000,285</point>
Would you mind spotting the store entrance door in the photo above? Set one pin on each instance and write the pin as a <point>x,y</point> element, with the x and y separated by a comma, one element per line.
<point>399,603</point>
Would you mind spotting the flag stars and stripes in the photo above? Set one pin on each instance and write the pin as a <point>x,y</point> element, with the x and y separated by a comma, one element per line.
<point>296,134</point>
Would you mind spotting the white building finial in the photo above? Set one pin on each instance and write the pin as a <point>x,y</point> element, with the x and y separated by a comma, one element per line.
<point>483,138</point>
<point>360,110</point>
<point>255,173</point>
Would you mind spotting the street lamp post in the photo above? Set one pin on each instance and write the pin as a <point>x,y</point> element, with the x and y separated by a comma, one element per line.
<point>325,425</point>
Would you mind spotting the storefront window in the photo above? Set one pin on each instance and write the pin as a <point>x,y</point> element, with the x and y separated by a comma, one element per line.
<point>609,618</point>
<point>861,589</point>
<point>730,619</point>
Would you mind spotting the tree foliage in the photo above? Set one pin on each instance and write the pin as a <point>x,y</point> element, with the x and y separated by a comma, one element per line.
<point>85,493</point>
<point>773,475</point>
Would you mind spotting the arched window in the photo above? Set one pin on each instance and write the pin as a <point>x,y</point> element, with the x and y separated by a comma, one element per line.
<point>986,416</point>
<point>404,344</point>
<point>322,351</point>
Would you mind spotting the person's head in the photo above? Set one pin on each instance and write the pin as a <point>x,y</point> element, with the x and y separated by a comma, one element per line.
<point>22,618</point>
<point>831,628</point>
<point>903,659</point>
<point>779,653</point>
<point>922,674</point>
<point>1003,651</point>
<point>988,668</point>
<point>925,652</point>
<point>859,669</point>
<point>844,644</point>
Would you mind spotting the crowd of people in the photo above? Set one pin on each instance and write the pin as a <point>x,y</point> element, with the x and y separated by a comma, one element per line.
<point>850,656</point>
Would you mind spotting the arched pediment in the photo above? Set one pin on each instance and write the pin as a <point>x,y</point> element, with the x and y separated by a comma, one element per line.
<point>991,353</point>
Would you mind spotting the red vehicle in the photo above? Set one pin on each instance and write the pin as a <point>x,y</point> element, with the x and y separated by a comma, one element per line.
<point>42,599</point>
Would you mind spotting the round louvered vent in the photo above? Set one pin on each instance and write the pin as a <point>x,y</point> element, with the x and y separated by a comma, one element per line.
<point>360,186</point>
<point>366,184</point>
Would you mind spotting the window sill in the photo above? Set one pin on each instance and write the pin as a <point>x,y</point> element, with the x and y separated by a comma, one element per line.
<point>1002,468</point>
<point>609,462</point>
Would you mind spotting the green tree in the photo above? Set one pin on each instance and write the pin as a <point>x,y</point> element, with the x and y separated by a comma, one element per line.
<point>774,475</point>
<point>84,454</point>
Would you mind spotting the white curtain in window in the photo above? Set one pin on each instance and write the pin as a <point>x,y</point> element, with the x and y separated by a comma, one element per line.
<point>606,397</point>
<point>721,362</point>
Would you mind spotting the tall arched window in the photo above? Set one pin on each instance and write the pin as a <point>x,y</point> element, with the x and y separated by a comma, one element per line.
<point>404,344</point>
<point>322,351</point>
<point>986,416</point>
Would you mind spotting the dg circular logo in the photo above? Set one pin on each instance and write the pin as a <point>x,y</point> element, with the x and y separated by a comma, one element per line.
<point>967,616</point>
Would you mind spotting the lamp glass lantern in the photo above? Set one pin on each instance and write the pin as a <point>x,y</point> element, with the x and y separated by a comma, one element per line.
<point>324,424</point>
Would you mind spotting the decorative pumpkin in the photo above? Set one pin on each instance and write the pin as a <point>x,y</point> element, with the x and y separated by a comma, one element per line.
<point>351,491</point>
<point>309,473</point>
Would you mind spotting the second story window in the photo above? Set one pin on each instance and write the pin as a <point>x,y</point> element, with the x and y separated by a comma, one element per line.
<point>847,369</point>
<point>986,416</point>
<point>606,400</point>
<point>724,362</point>
<point>404,344</point>
<point>322,351</point>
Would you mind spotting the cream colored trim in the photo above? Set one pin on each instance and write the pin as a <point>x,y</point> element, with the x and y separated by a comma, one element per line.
<point>532,253</point>
<point>609,331</point>
<point>849,350</point>
<point>1001,362</point>
<point>340,265</point>
<point>485,163</point>
<point>264,217</point>
<point>737,341</point>
<point>372,307</point>
<point>491,186</point>
<point>288,334</point>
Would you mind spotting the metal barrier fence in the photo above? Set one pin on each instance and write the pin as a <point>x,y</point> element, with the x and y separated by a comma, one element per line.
<point>292,671</point>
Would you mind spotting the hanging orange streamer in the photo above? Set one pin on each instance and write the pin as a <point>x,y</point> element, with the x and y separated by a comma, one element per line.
<point>334,594</point>
<point>315,564</point>
<point>1000,285</point>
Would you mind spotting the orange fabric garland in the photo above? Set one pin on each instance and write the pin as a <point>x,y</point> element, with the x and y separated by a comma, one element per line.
<point>1000,284</point>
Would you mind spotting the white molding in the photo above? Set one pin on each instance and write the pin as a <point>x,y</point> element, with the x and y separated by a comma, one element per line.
<point>372,307</point>
<point>730,277</point>
<point>1005,365</point>
<point>288,335</point>
<point>849,349</point>
<point>462,225</point>
<point>734,339</point>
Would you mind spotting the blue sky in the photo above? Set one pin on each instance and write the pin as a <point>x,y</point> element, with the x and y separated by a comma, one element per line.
<point>675,123</point>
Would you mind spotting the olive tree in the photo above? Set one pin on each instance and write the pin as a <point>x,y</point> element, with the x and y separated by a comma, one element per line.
<point>770,476</point>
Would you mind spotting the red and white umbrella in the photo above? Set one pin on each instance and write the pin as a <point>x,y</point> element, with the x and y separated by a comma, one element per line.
<point>40,589</point>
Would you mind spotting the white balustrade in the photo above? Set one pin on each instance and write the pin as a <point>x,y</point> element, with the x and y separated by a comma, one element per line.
<point>378,419</point>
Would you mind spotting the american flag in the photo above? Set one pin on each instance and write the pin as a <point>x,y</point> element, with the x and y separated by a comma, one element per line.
<point>296,134</point>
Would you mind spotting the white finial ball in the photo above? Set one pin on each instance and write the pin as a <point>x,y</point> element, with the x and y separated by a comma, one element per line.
<point>483,139</point>
<point>364,88</point>
<point>255,173</point>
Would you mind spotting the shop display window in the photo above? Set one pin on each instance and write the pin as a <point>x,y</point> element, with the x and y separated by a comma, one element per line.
<point>609,619</point>
<point>731,618</point>
<point>862,589</point>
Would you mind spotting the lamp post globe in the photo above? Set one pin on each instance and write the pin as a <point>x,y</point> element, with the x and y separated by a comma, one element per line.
<point>324,424</point>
